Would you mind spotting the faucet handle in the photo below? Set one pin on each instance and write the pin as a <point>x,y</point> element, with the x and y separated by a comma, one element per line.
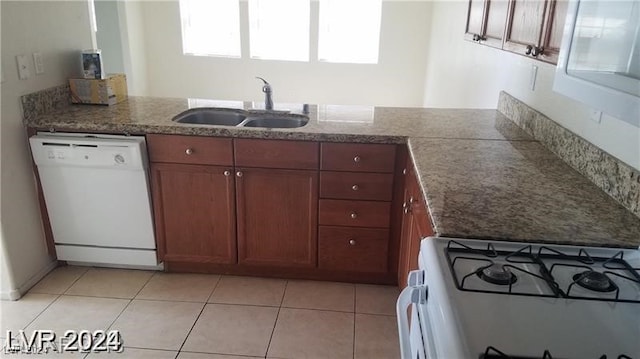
<point>263,80</point>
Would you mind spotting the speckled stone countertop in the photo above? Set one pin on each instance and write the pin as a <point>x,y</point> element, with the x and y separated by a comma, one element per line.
<point>482,176</point>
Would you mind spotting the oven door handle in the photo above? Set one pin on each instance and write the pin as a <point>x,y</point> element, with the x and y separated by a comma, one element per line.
<point>409,295</point>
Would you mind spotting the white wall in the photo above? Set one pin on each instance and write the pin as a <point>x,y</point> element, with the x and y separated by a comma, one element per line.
<point>463,74</point>
<point>109,36</point>
<point>133,46</point>
<point>396,81</point>
<point>58,30</point>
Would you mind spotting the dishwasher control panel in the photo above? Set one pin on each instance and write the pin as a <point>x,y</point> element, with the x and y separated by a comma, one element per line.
<point>95,152</point>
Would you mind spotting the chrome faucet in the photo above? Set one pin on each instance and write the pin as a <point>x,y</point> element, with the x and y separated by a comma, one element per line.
<point>266,88</point>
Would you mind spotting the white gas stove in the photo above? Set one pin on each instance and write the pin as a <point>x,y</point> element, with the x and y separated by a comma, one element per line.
<point>481,299</point>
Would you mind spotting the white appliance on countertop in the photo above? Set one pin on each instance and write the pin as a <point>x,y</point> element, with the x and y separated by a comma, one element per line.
<point>493,299</point>
<point>96,191</point>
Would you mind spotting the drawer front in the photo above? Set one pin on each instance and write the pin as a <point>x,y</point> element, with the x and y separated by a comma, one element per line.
<point>354,213</point>
<point>276,154</point>
<point>358,157</point>
<point>355,185</point>
<point>353,249</point>
<point>190,150</point>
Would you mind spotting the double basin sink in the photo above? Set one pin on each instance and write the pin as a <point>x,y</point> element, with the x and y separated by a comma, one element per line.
<point>241,118</point>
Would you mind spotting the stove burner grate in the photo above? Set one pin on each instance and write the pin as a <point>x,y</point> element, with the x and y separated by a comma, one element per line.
<point>497,274</point>
<point>595,281</point>
<point>616,271</point>
<point>493,353</point>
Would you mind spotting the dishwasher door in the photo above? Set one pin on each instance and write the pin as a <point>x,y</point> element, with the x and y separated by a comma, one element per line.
<point>96,192</point>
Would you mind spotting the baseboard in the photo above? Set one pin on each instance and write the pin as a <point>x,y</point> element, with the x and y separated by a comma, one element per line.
<point>15,294</point>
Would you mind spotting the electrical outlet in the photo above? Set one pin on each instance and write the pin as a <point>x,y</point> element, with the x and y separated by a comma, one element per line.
<point>534,75</point>
<point>23,67</point>
<point>37,61</point>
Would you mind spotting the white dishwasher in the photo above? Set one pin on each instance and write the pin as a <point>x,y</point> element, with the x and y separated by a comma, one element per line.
<point>96,191</point>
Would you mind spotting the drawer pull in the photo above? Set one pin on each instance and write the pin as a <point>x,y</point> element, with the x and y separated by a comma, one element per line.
<point>239,174</point>
<point>227,173</point>
<point>354,215</point>
<point>355,187</point>
<point>356,159</point>
<point>352,242</point>
<point>188,151</point>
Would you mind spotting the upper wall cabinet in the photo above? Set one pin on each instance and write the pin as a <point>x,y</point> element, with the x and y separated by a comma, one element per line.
<point>486,21</point>
<point>534,28</point>
<point>526,27</point>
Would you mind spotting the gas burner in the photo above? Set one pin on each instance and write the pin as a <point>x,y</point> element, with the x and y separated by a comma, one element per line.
<point>595,281</point>
<point>497,274</point>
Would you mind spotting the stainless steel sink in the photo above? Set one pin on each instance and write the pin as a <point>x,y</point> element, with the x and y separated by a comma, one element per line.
<point>240,118</point>
<point>211,116</point>
<point>267,121</point>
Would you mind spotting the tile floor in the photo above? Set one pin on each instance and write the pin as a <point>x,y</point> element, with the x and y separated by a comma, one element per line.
<point>199,316</point>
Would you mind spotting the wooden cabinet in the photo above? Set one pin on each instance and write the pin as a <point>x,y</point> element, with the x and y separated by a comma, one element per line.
<point>296,209</point>
<point>194,205</point>
<point>526,27</point>
<point>277,217</point>
<point>356,190</point>
<point>353,249</point>
<point>277,202</point>
<point>416,225</point>
<point>534,28</point>
<point>486,21</point>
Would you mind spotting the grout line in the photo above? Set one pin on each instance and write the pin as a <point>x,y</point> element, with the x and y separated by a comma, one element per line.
<point>204,305</point>
<point>273,330</point>
<point>128,304</point>
<point>215,286</point>
<point>43,310</point>
<point>77,279</point>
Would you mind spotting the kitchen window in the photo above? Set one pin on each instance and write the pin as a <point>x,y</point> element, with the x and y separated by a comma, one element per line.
<point>343,40</point>
<point>210,28</point>
<point>281,29</point>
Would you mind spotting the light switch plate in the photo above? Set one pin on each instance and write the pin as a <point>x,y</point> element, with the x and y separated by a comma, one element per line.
<point>596,116</point>
<point>534,75</point>
<point>39,64</point>
<point>23,67</point>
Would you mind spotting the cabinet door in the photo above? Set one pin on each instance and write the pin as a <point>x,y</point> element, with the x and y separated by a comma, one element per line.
<point>194,212</point>
<point>416,224</point>
<point>475,20</point>
<point>277,217</point>
<point>486,21</point>
<point>525,24</point>
<point>553,29</point>
<point>495,20</point>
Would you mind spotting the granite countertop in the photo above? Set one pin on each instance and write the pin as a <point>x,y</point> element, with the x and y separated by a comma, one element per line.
<point>482,176</point>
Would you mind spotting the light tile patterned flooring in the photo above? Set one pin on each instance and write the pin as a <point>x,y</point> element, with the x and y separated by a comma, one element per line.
<point>200,316</point>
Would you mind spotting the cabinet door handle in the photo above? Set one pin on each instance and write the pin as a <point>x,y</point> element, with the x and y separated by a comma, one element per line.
<point>239,173</point>
<point>404,171</point>
<point>405,208</point>
<point>189,151</point>
<point>537,51</point>
<point>352,242</point>
<point>354,215</point>
<point>226,173</point>
<point>356,159</point>
<point>529,49</point>
<point>355,187</point>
